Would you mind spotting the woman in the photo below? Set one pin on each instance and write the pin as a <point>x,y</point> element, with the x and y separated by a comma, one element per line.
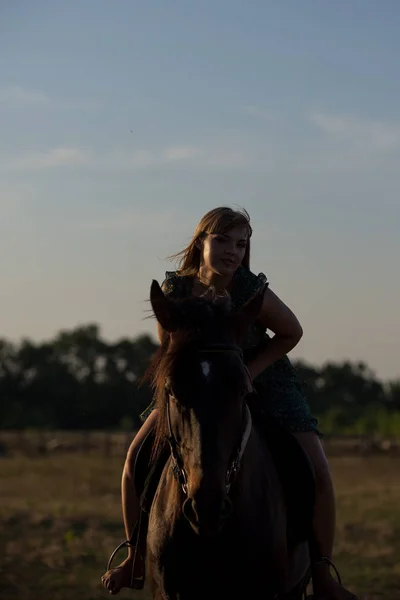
<point>219,256</point>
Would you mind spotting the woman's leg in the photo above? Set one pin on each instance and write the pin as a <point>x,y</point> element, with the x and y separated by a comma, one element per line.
<point>325,586</point>
<point>121,576</point>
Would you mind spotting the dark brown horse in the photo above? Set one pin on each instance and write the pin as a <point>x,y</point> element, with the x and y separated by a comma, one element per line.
<point>217,526</point>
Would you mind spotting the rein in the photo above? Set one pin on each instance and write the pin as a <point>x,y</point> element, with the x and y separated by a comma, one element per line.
<point>177,462</point>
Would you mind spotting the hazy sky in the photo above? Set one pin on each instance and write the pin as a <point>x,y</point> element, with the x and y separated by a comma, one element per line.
<point>121,123</point>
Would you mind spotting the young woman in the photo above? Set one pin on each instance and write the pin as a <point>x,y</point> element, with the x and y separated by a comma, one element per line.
<point>219,256</point>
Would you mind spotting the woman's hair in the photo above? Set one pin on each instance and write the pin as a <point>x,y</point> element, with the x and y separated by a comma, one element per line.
<point>217,220</point>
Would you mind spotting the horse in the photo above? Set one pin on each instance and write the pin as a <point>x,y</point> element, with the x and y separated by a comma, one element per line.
<point>217,526</point>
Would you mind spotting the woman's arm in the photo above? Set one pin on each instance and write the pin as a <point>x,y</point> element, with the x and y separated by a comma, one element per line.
<point>160,333</point>
<point>277,317</point>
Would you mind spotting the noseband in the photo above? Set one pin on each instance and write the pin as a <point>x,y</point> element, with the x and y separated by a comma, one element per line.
<point>177,461</point>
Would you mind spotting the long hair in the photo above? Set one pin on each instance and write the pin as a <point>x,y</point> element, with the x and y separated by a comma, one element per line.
<point>217,220</point>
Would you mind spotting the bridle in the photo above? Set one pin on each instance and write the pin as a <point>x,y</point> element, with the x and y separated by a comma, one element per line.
<point>177,465</point>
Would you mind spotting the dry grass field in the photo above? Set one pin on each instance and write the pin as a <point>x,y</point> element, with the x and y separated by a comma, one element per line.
<point>60,519</point>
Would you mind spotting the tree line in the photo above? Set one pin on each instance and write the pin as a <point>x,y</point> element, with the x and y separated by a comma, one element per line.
<point>79,381</point>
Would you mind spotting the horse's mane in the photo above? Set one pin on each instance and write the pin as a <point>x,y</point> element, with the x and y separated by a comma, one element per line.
<point>195,319</point>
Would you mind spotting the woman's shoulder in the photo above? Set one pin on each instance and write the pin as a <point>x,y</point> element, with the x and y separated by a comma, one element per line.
<point>248,279</point>
<point>246,284</point>
<point>174,285</point>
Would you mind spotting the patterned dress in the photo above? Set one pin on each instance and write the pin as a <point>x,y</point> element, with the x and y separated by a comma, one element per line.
<point>279,392</point>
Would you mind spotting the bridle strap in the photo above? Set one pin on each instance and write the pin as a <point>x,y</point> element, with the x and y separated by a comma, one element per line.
<point>234,468</point>
<point>177,463</point>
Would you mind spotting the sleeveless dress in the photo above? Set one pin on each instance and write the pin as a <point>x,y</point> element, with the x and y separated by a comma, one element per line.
<point>278,390</point>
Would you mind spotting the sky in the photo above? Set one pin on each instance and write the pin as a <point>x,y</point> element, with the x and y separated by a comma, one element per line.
<point>122,123</point>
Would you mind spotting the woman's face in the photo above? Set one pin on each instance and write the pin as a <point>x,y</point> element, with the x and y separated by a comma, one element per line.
<point>223,252</point>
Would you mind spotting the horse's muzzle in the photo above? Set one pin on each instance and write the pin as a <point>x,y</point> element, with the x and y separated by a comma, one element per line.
<point>207,519</point>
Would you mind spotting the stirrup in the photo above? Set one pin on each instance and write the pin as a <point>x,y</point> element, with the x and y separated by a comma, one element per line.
<point>327,561</point>
<point>137,583</point>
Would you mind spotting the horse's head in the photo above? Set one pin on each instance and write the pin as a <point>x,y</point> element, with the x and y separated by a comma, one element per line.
<point>201,383</point>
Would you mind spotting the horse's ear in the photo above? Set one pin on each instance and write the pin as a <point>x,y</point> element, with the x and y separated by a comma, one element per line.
<point>161,307</point>
<point>248,314</point>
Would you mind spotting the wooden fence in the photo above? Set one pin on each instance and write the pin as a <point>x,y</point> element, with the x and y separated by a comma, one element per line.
<point>41,442</point>
<point>116,443</point>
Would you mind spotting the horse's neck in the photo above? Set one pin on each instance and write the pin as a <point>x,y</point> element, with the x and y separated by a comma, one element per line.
<point>258,482</point>
<point>257,458</point>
